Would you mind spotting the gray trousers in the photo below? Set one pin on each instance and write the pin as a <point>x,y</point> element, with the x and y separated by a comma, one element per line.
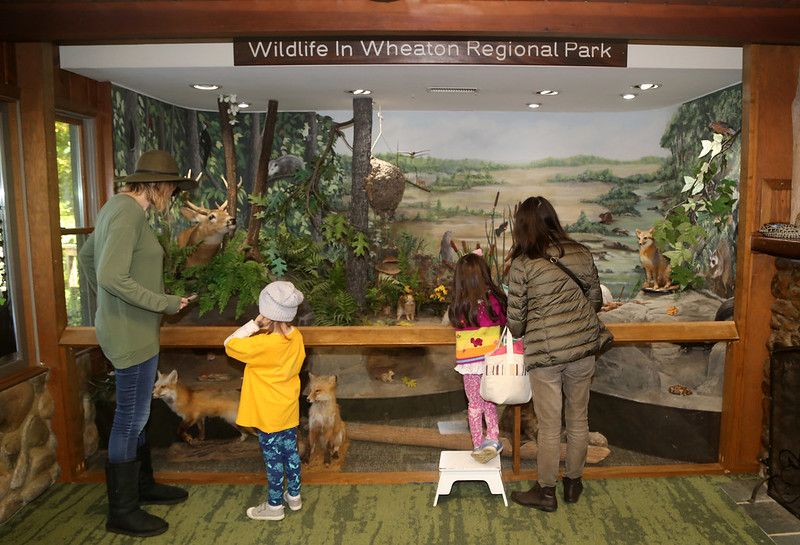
<point>547,383</point>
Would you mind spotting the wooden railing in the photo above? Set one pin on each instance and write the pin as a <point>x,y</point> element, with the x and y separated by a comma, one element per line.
<point>370,336</point>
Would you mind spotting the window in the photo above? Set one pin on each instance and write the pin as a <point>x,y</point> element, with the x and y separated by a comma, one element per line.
<point>74,205</point>
<point>11,335</point>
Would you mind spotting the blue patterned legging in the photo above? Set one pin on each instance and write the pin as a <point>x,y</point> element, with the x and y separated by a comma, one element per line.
<point>280,454</point>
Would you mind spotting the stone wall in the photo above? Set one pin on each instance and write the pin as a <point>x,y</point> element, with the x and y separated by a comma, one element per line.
<point>785,325</point>
<point>28,464</point>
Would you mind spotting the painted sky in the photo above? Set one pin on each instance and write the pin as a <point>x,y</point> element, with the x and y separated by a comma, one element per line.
<point>510,137</point>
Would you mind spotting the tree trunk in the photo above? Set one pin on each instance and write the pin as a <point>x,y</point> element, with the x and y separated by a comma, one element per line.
<point>260,182</point>
<point>796,152</point>
<point>430,437</point>
<point>229,147</point>
<point>359,205</point>
<point>193,143</point>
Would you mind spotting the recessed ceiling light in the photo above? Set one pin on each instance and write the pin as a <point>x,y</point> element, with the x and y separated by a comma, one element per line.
<point>360,92</point>
<point>647,86</point>
<point>629,96</point>
<point>457,90</point>
<point>533,105</point>
<point>206,86</point>
<point>547,92</point>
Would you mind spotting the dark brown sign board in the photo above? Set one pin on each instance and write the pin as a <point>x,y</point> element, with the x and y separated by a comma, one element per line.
<point>511,52</point>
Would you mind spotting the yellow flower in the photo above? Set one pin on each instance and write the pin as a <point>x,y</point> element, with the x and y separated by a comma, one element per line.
<point>408,289</point>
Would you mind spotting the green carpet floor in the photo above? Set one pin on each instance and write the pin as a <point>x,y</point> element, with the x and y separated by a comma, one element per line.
<point>647,511</point>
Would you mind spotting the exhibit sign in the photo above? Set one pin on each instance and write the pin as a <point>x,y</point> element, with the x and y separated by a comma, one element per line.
<point>511,52</point>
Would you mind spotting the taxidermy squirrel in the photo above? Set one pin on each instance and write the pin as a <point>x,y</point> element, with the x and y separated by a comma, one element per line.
<point>194,405</point>
<point>325,426</point>
<point>656,267</point>
<point>406,307</point>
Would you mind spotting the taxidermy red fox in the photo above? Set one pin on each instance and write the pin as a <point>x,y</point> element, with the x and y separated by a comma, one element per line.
<point>656,267</point>
<point>325,426</point>
<point>194,405</point>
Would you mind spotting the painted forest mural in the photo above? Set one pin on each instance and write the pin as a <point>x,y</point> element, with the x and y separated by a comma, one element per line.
<point>427,208</point>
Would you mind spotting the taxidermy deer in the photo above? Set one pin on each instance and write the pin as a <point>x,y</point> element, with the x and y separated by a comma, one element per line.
<point>208,231</point>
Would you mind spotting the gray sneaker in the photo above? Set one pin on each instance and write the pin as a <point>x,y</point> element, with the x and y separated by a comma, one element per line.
<point>265,511</point>
<point>294,502</point>
<point>488,450</point>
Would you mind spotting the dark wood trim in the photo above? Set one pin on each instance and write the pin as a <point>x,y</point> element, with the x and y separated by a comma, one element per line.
<point>37,119</point>
<point>75,107</point>
<point>22,376</point>
<point>778,247</point>
<point>77,231</point>
<point>9,91</point>
<point>213,336</point>
<point>320,476</point>
<point>768,87</point>
<point>161,20</point>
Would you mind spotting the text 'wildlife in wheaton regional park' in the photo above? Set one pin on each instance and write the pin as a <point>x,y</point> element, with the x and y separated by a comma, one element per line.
<point>288,51</point>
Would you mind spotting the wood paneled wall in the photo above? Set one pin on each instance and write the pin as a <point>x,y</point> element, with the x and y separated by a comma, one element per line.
<point>768,85</point>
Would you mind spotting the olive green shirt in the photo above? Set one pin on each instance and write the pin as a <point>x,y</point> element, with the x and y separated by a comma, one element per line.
<point>123,262</point>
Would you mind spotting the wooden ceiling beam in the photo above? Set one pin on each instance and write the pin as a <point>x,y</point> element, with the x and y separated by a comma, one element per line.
<point>125,21</point>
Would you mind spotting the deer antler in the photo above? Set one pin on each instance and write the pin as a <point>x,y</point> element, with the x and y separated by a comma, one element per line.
<point>198,209</point>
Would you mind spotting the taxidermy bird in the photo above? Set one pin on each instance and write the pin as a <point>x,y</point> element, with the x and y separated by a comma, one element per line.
<point>414,154</point>
<point>720,127</point>
<point>205,145</point>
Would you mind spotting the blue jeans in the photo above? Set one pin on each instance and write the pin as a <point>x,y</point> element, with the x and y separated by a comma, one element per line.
<point>134,395</point>
<point>279,450</point>
<point>548,383</point>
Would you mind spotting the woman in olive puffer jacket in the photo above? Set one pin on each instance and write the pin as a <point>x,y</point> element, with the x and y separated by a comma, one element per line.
<point>559,325</point>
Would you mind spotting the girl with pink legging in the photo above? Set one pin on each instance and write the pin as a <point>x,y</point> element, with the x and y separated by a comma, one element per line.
<point>478,313</point>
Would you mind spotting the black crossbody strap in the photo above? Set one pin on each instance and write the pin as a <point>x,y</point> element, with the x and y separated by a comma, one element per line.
<point>554,261</point>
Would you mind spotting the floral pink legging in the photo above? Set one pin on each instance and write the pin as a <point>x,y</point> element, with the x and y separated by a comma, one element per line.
<point>477,407</point>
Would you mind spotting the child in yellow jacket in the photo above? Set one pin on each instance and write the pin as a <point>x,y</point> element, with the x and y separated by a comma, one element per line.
<point>273,352</point>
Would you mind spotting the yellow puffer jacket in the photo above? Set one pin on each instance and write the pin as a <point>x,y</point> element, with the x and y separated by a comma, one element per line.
<point>559,323</point>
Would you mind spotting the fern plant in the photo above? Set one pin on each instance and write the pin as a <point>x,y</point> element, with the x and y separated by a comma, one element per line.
<point>225,277</point>
<point>328,297</point>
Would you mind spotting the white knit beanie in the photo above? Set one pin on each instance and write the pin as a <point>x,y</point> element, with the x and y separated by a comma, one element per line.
<point>279,301</point>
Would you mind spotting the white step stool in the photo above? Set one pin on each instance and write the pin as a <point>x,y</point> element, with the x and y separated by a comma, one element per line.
<point>458,465</point>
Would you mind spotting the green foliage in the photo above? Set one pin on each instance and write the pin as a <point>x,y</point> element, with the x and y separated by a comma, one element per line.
<point>683,131</point>
<point>337,231</point>
<point>620,199</point>
<point>461,181</point>
<point>585,225</point>
<point>328,297</point>
<point>226,276</point>
<point>384,292</point>
<point>706,208</point>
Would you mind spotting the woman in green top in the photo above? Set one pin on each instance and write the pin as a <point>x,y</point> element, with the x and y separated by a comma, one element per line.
<point>123,262</point>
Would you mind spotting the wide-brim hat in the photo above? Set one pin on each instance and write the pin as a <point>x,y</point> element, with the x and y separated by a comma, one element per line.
<point>158,166</point>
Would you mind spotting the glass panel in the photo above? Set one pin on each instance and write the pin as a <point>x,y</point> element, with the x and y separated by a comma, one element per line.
<point>650,404</point>
<point>10,357</point>
<point>70,187</point>
<point>77,295</point>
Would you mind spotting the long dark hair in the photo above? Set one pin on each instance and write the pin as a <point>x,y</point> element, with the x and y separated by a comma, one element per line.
<point>473,284</point>
<point>536,228</point>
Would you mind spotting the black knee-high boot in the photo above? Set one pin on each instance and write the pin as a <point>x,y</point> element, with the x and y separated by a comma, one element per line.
<point>124,515</point>
<point>151,492</point>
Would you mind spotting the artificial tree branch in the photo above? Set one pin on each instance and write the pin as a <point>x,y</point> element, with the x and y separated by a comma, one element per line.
<point>335,131</point>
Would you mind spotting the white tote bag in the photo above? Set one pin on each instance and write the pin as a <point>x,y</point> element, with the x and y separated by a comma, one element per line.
<point>505,380</point>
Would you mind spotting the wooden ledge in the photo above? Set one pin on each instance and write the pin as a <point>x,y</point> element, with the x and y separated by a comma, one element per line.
<point>778,247</point>
<point>387,336</point>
